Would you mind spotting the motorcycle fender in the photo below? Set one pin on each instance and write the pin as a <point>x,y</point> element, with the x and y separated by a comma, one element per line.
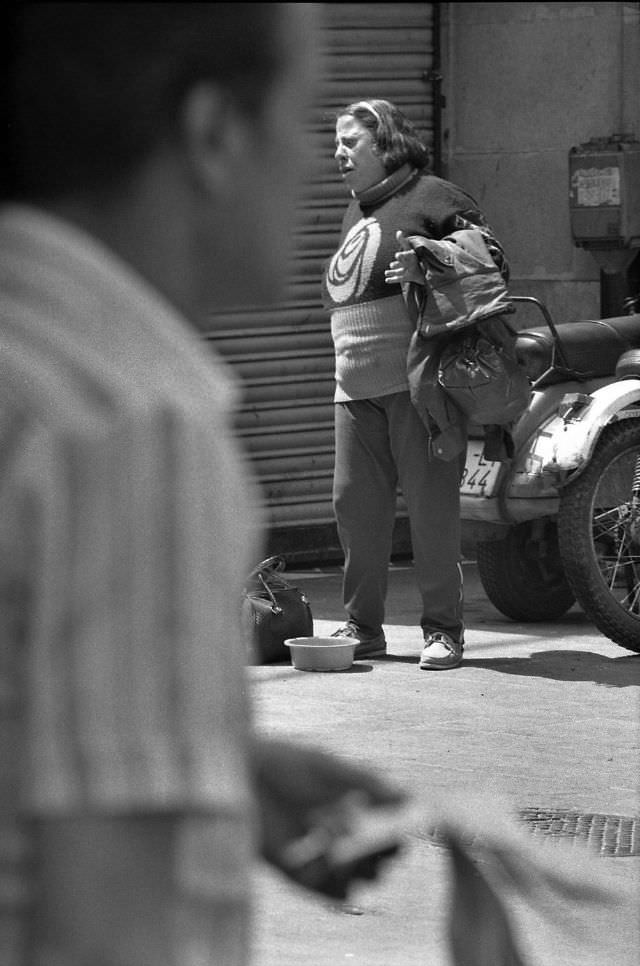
<point>580,421</point>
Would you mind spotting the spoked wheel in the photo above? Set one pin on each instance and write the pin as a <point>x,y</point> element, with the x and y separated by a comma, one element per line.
<point>522,574</point>
<point>599,534</point>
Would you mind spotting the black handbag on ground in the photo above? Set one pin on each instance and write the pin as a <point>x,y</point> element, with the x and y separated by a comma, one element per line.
<point>272,610</point>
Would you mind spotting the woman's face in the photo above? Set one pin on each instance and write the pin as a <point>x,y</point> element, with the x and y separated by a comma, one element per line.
<point>358,161</point>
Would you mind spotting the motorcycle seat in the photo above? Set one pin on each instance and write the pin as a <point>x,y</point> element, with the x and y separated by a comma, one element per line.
<point>590,348</point>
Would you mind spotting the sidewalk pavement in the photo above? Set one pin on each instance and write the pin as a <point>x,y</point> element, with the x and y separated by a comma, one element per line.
<point>544,717</point>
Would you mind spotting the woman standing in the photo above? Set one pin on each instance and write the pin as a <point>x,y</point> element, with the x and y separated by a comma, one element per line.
<point>381,440</point>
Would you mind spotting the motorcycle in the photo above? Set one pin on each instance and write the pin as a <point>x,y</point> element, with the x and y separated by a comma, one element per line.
<point>559,522</point>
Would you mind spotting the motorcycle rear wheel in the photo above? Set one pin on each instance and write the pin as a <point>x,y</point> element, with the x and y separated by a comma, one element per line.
<point>522,574</point>
<point>599,535</point>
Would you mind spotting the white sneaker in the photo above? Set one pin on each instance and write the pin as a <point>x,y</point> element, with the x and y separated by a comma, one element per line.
<point>440,652</point>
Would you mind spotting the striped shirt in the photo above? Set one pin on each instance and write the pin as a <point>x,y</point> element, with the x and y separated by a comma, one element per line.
<point>125,534</point>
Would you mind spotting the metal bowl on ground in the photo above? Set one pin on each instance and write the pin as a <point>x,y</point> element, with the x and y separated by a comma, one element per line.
<point>321,653</point>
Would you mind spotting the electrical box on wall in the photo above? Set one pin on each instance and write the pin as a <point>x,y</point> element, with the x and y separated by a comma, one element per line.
<point>604,199</point>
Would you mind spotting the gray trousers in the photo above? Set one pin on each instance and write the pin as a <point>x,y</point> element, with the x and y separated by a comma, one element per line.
<point>382,444</point>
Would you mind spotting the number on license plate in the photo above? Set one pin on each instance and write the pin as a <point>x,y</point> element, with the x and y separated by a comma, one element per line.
<point>479,475</point>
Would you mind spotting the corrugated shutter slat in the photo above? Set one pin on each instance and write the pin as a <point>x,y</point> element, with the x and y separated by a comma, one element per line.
<point>284,355</point>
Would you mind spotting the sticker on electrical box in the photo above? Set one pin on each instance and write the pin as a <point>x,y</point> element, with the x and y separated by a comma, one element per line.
<point>594,187</point>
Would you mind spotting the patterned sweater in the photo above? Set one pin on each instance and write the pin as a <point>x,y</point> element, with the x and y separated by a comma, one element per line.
<point>369,321</point>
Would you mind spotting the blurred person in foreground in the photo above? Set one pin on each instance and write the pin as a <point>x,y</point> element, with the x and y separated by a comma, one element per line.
<point>148,178</point>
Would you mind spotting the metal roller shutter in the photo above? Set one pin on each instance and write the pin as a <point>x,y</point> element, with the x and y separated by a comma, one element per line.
<point>284,355</point>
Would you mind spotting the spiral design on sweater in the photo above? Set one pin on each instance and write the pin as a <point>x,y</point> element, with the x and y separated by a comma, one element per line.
<point>350,268</point>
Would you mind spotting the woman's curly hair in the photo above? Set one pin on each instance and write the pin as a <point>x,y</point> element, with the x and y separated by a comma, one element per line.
<point>396,139</point>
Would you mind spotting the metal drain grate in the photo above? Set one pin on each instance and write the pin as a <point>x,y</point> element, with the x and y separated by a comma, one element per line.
<point>610,835</point>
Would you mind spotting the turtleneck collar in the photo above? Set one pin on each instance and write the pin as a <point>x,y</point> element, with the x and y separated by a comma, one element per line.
<point>387,187</point>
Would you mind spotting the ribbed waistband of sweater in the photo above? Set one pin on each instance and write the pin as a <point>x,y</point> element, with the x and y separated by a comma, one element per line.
<point>371,341</point>
<point>380,316</point>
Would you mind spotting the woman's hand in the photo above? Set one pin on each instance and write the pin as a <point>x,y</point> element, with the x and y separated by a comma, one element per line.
<point>311,809</point>
<point>405,267</point>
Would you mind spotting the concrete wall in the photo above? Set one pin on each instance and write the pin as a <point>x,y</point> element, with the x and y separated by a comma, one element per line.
<point>525,82</point>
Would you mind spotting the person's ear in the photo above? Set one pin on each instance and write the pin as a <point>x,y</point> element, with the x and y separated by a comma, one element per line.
<point>215,137</point>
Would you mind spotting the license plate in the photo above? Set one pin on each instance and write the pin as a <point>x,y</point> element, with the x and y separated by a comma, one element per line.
<point>479,475</point>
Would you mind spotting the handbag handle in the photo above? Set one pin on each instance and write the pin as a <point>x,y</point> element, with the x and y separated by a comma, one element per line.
<point>275,607</point>
<point>269,569</point>
<point>274,564</point>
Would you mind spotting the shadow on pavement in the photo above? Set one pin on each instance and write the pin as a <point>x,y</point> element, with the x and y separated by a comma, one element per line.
<point>619,672</point>
<point>281,670</point>
<point>560,665</point>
